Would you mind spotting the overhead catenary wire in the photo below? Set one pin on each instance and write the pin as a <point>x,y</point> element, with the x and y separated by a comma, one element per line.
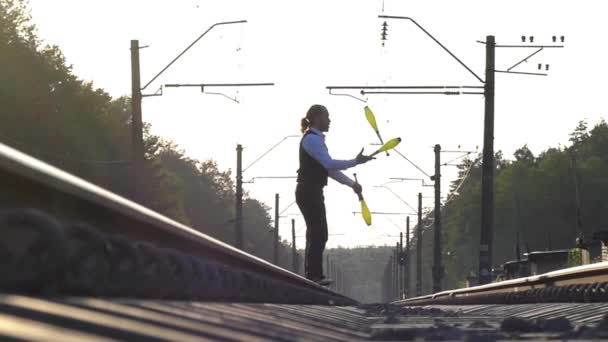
<point>411,162</point>
<point>269,150</point>
<point>455,159</point>
<point>453,192</point>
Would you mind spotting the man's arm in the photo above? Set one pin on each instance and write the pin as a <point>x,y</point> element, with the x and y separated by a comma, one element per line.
<point>341,178</point>
<point>314,146</point>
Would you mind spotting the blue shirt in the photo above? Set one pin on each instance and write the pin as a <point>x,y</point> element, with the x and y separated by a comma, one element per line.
<point>314,145</point>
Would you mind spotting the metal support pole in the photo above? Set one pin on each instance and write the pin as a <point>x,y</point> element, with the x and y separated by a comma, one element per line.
<point>401,266</point>
<point>396,272</point>
<point>487,180</point>
<point>137,144</point>
<point>276,230</point>
<point>393,261</point>
<point>238,221</point>
<point>294,253</point>
<point>406,278</point>
<point>437,264</point>
<point>332,274</point>
<point>419,248</point>
<point>392,293</point>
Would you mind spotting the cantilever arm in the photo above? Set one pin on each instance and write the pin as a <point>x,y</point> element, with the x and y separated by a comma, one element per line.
<point>436,41</point>
<point>189,46</point>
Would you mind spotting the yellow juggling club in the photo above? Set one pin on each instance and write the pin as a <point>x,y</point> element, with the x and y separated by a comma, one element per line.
<point>371,118</point>
<point>391,144</point>
<point>367,215</point>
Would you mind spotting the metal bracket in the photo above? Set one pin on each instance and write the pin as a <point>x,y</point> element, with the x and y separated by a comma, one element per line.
<point>522,73</point>
<point>159,92</point>
<point>344,94</point>
<point>220,94</point>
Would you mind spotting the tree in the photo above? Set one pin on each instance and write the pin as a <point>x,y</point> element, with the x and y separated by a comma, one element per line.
<point>524,155</point>
<point>580,134</point>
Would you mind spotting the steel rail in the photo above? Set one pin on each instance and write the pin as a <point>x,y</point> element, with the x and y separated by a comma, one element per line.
<point>591,274</point>
<point>30,183</point>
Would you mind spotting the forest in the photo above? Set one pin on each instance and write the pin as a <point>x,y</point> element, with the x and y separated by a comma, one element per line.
<point>51,114</point>
<point>542,202</point>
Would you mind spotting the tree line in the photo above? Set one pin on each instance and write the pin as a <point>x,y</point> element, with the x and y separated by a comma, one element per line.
<point>542,202</point>
<point>51,114</point>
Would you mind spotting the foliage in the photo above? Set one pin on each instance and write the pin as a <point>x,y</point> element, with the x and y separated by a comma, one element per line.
<point>535,202</point>
<point>49,113</point>
<point>574,257</point>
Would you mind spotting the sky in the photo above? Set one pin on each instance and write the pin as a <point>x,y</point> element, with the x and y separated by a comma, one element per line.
<point>304,46</point>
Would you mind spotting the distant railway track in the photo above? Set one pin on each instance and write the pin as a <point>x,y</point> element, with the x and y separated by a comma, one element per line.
<point>62,235</point>
<point>588,283</point>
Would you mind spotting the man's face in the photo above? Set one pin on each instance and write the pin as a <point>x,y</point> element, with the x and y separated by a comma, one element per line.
<point>324,121</point>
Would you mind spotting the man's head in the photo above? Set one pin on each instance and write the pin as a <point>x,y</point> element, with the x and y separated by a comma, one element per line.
<point>317,117</point>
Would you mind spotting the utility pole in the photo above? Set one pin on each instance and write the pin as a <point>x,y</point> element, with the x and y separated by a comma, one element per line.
<point>137,144</point>
<point>406,278</point>
<point>331,274</point>
<point>391,283</point>
<point>487,180</point>
<point>437,264</point>
<point>487,191</point>
<point>396,271</point>
<point>401,266</point>
<point>238,222</point>
<point>294,253</point>
<point>419,248</point>
<point>276,230</point>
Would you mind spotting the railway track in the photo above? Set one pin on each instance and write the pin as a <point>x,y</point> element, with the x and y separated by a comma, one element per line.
<point>80,263</point>
<point>103,319</point>
<point>587,283</point>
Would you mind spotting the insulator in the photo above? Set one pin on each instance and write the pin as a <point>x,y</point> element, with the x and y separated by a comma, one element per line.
<point>523,39</point>
<point>384,33</point>
<point>531,39</point>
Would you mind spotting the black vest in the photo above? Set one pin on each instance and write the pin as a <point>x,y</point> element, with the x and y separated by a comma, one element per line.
<point>311,172</point>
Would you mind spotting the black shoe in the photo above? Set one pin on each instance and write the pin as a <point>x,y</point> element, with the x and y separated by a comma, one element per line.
<point>322,281</point>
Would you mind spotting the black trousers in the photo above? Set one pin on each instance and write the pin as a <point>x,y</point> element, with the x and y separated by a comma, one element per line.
<point>311,202</point>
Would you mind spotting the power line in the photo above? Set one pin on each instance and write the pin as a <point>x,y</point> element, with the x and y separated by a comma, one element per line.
<point>269,150</point>
<point>411,162</point>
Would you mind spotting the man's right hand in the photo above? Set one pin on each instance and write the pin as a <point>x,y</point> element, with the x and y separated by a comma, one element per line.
<point>357,188</point>
<point>362,159</point>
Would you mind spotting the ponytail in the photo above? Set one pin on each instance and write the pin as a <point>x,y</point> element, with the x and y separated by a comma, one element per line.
<point>313,111</point>
<point>304,125</point>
